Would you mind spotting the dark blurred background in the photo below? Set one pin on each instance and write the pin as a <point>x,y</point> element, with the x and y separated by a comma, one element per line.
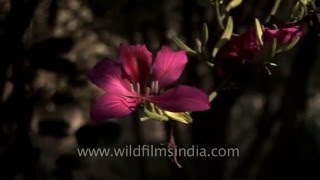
<point>47,46</point>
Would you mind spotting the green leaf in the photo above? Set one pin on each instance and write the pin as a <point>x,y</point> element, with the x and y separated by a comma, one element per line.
<point>273,64</point>
<point>199,45</point>
<point>259,31</point>
<point>218,14</point>
<point>303,10</point>
<point>291,44</point>
<point>274,9</point>
<point>294,10</point>
<point>183,117</point>
<point>299,10</point>
<point>313,5</point>
<point>212,96</point>
<point>224,38</point>
<point>145,118</point>
<point>154,115</point>
<point>233,4</point>
<point>204,34</point>
<point>182,45</point>
<point>210,64</point>
<point>268,70</point>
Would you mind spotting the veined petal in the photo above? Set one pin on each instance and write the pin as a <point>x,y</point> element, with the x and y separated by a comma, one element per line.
<point>229,51</point>
<point>283,35</point>
<point>136,61</point>
<point>168,66</point>
<point>112,106</point>
<point>248,45</point>
<point>182,99</point>
<point>239,48</point>
<point>107,74</point>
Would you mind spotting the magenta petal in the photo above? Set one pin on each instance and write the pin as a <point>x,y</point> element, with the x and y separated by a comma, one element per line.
<point>240,48</point>
<point>112,106</point>
<point>107,74</point>
<point>283,35</point>
<point>136,61</point>
<point>168,66</point>
<point>182,99</point>
<point>289,34</point>
<point>229,51</point>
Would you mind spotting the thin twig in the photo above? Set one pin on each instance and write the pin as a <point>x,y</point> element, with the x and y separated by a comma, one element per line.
<point>273,10</point>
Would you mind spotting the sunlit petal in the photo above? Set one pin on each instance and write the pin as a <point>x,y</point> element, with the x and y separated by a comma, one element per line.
<point>168,66</point>
<point>112,106</point>
<point>136,61</point>
<point>182,99</point>
<point>108,75</point>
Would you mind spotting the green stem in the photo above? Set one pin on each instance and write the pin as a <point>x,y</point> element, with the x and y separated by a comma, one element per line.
<point>219,88</point>
<point>172,145</point>
<point>274,10</point>
<point>219,17</point>
<point>313,5</point>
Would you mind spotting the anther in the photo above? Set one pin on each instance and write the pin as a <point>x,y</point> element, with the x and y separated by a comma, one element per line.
<point>138,88</point>
<point>275,26</point>
<point>131,87</point>
<point>152,87</point>
<point>147,91</point>
<point>156,87</point>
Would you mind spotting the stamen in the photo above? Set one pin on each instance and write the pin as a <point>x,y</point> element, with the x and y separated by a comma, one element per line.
<point>138,88</point>
<point>156,87</point>
<point>152,87</point>
<point>147,91</point>
<point>131,87</point>
<point>275,26</point>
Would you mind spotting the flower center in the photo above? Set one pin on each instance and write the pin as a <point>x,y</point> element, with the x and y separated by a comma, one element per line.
<point>142,96</point>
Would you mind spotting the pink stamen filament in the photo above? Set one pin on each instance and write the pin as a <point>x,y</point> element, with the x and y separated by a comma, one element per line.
<point>156,87</point>
<point>152,87</point>
<point>147,91</point>
<point>138,88</point>
<point>131,87</point>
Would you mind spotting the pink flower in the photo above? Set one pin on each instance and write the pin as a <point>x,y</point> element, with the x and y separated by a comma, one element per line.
<point>241,48</point>
<point>286,34</point>
<point>136,80</point>
<point>246,48</point>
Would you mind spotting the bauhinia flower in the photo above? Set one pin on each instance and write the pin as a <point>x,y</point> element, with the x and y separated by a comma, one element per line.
<point>285,34</point>
<point>136,80</point>
<point>246,48</point>
<point>241,48</point>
